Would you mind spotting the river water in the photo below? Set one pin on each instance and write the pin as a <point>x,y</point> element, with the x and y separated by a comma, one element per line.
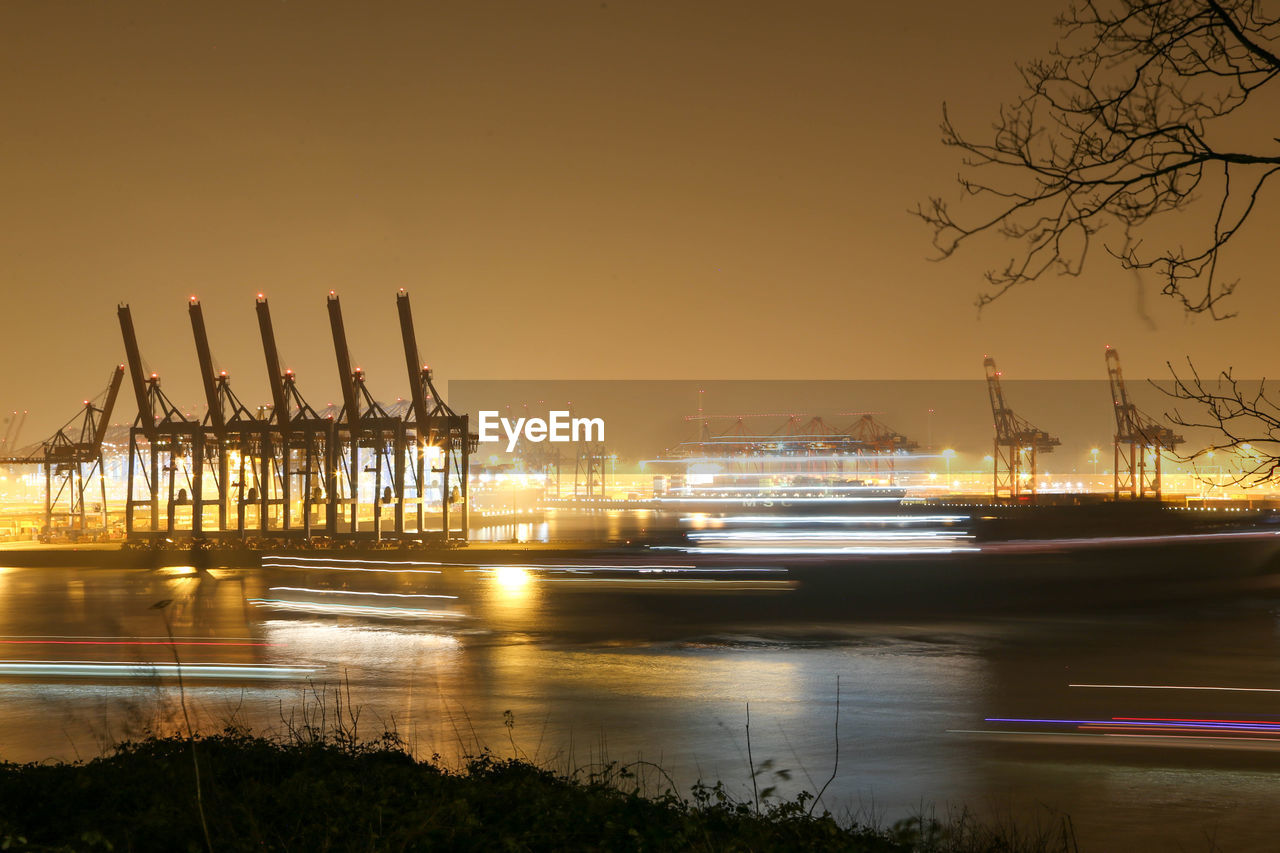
<point>934,713</point>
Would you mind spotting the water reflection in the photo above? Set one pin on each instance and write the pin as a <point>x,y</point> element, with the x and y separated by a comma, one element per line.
<point>513,597</point>
<point>592,667</point>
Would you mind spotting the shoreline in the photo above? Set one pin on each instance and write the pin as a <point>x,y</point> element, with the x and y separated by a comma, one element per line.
<point>320,789</point>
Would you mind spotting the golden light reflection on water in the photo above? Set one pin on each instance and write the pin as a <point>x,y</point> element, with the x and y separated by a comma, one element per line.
<point>513,592</point>
<point>512,580</point>
<point>902,689</point>
<point>642,672</point>
<point>177,571</point>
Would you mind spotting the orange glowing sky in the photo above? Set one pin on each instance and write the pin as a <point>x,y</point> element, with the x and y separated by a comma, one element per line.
<point>567,189</point>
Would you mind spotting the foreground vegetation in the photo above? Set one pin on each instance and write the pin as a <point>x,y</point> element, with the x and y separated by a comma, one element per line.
<point>324,794</point>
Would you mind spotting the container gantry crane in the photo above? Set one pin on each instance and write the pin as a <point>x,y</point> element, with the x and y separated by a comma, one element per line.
<point>881,440</point>
<point>1140,440</point>
<point>306,432</point>
<point>1018,444</point>
<point>229,425</point>
<point>65,459</point>
<point>160,430</point>
<point>65,455</point>
<point>435,425</point>
<point>367,424</point>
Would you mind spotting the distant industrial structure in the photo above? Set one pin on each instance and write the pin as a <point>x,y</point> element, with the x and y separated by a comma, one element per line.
<point>1018,444</point>
<point>365,471</point>
<point>1139,441</point>
<point>783,450</point>
<point>284,471</point>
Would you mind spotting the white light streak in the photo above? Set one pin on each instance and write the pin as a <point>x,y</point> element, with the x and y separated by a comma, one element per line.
<point>126,669</point>
<point>273,565</point>
<point>354,609</point>
<point>831,519</point>
<point>1177,687</point>
<point>357,592</point>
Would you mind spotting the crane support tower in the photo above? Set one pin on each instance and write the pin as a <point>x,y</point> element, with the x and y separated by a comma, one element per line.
<point>1140,441</point>
<point>1018,445</point>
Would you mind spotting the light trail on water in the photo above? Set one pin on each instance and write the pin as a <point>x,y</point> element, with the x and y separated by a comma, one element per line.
<point>144,669</point>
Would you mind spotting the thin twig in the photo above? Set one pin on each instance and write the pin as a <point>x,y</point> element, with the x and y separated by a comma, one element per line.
<point>182,700</point>
<point>755,792</point>
<point>836,767</point>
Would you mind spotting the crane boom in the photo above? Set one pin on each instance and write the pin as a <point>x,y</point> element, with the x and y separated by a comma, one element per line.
<point>345,376</point>
<point>205,356</point>
<point>272,355</point>
<point>8,431</point>
<point>145,415</point>
<point>17,430</point>
<point>412,360</point>
<point>1000,411</point>
<point>104,418</point>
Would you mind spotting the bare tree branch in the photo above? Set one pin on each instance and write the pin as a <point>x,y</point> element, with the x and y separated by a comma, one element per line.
<point>1117,126</point>
<point>1242,415</point>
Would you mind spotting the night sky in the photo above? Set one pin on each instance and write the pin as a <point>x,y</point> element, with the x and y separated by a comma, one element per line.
<point>567,190</point>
